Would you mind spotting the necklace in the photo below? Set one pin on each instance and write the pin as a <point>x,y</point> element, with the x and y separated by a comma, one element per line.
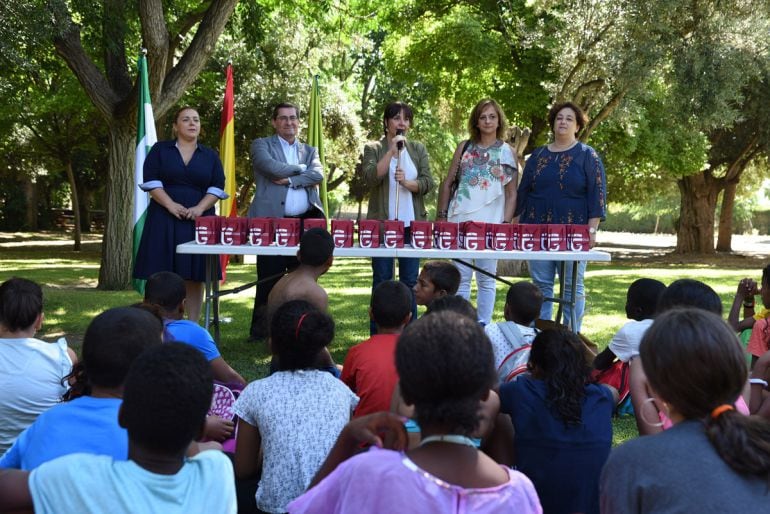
<point>448,438</point>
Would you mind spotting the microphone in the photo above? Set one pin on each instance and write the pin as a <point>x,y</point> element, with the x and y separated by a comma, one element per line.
<point>400,144</point>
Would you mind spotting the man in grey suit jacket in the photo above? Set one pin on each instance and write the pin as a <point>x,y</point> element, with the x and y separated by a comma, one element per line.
<point>286,174</point>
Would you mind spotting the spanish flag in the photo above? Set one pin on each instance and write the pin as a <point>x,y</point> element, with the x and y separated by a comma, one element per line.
<point>228,207</point>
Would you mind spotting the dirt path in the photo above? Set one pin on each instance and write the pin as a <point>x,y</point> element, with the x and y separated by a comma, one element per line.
<point>626,247</point>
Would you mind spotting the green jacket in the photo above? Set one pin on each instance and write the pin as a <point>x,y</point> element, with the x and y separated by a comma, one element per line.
<point>379,186</point>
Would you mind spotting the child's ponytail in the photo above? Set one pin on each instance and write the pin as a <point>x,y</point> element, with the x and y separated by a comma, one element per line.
<point>743,442</point>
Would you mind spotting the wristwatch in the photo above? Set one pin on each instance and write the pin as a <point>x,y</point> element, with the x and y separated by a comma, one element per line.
<point>591,230</point>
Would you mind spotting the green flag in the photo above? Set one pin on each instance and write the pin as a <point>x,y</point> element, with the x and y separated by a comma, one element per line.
<point>315,137</point>
<point>145,138</point>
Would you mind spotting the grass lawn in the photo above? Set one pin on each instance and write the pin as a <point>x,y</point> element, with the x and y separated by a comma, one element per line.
<point>71,299</point>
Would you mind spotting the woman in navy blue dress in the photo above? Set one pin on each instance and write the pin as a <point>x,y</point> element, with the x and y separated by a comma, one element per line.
<point>185,179</point>
<point>562,424</point>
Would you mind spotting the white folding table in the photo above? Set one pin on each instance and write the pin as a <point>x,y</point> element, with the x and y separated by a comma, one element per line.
<point>212,253</point>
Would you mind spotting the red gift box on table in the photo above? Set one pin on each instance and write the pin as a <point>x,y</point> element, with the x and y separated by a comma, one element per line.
<point>207,230</point>
<point>422,234</point>
<point>578,238</point>
<point>260,231</point>
<point>309,223</point>
<point>445,235</point>
<point>554,238</point>
<point>286,231</point>
<point>369,233</point>
<point>500,236</point>
<point>473,235</point>
<point>234,231</point>
<point>342,233</point>
<point>393,234</point>
<point>529,237</point>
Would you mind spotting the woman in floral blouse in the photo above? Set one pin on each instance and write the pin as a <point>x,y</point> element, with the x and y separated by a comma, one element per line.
<point>481,186</point>
<point>563,183</point>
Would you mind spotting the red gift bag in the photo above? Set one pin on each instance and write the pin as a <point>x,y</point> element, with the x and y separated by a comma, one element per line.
<point>260,231</point>
<point>445,235</point>
<point>554,238</point>
<point>529,237</point>
<point>578,238</point>
<point>309,223</point>
<point>207,230</point>
<point>422,234</point>
<point>393,234</point>
<point>369,233</point>
<point>286,231</point>
<point>499,236</point>
<point>473,235</point>
<point>234,231</point>
<point>342,233</point>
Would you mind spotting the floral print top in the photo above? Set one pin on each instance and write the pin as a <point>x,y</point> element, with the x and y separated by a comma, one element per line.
<point>567,187</point>
<point>484,172</point>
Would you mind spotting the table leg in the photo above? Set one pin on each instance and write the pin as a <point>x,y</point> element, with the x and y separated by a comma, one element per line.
<point>573,296</point>
<point>560,301</point>
<point>207,295</point>
<point>215,295</point>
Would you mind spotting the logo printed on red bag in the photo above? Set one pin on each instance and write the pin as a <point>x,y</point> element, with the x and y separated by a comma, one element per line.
<point>369,233</point>
<point>342,233</point>
<point>473,235</point>
<point>445,235</point>
<point>421,234</point>
<point>207,230</point>
<point>260,232</point>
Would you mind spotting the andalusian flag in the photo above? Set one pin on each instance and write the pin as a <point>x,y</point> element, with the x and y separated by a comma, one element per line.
<point>145,138</point>
<point>228,207</point>
<point>315,136</point>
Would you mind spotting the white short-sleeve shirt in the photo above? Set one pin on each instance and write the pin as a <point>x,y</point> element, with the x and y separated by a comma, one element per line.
<point>299,415</point>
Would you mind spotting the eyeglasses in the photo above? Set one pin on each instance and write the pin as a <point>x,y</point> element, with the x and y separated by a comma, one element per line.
<point>287,118</point>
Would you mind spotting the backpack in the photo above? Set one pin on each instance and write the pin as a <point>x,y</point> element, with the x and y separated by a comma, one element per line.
<point>222,403</point>
<point>515,363</point>
<point>617,376</point>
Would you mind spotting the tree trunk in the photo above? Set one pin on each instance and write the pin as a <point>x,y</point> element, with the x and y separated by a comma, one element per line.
<point>725,233</point>
<point>698,194</point>
<point>30,212</point>
<point>75,203</point>
<point>116,266</point>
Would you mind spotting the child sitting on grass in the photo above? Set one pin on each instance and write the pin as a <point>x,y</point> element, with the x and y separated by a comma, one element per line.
<point>290,420</point>
<point>444,362</point>
<point>522,307</point>
<point>167,290</point>
<point>315,256</point>
<point>31,370</point>
<point>166,395</point>
<point>437,279</point>
<point>641,304</point>
<point>370,368</point>
<point>89,422</point>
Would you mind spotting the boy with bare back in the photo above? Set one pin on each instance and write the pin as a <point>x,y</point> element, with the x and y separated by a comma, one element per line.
<point>315,258</point>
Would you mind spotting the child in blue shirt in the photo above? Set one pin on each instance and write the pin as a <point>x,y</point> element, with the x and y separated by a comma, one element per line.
<point>166,396</point>
<point>89,422</point>
<point>166,290</point>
